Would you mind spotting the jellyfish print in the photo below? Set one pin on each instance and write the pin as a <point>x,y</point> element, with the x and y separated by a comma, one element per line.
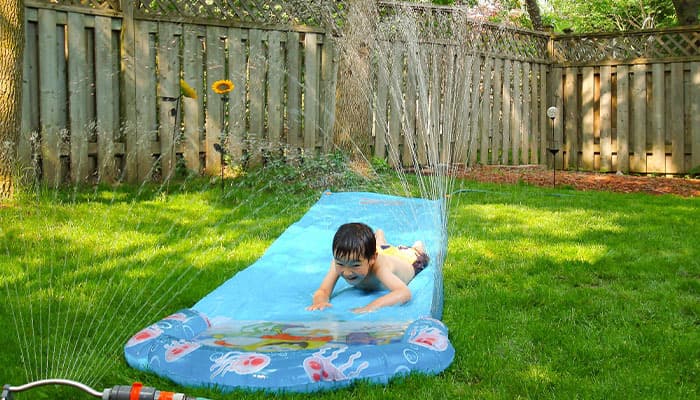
<point>178,349</point>
<point>321,368</point>
<point>242,363</point>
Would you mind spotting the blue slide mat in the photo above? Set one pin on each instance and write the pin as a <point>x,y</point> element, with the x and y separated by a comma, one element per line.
<point>254,331</point>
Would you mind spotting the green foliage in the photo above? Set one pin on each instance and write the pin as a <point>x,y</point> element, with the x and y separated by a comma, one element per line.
<point>301,172</point>
<point>609,15</point>
<point>694,172</point>
<point>380,165</point>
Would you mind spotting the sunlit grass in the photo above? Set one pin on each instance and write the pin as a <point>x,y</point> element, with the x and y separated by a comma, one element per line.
<point>548,293</point>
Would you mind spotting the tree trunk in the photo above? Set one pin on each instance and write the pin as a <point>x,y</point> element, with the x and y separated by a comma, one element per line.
<point>533,9</point>
<point>686,11</point>
<point>11,59</point>
<point>352,132</point>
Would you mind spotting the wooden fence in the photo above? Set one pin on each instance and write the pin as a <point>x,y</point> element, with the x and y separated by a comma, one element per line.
<point>473,92</point>
<point>630,102</point>
<point>101,98</point>
<point>626,102</point>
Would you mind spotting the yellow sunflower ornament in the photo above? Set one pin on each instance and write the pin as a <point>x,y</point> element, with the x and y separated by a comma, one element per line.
<point>222,87</point>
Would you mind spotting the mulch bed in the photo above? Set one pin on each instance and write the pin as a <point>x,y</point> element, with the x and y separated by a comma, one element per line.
<point>538,175</point>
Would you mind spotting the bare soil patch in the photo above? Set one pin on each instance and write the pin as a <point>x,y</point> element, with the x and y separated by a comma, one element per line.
<point>538,175</point>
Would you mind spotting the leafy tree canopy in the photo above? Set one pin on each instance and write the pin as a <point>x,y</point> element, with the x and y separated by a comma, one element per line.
<point>581,16</point>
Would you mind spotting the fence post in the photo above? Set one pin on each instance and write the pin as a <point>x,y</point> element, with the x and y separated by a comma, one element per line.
<point>128,65</point>
<point>695,115</point>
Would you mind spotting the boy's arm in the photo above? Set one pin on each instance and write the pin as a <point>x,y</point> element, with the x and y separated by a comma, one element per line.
<point>322,295</point>
<point>399,292</point>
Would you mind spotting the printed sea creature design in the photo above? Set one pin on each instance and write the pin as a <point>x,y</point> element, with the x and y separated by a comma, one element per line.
<point>239,362</point>
<point>321,368</point>
<point>185,317</point>
<point>431,338</point>
<point>179,316</point>
<point>144,335</point>
<point>178,349</point>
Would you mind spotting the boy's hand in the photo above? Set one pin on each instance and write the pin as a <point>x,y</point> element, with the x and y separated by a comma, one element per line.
<point>319,306</point>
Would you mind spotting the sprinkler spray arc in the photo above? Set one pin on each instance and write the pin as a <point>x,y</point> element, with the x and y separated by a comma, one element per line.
<point>135,391</point>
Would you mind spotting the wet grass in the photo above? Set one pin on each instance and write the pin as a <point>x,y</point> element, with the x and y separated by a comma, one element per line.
<point>548,293</point>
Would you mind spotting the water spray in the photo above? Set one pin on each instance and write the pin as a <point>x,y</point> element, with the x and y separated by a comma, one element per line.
<point>135,391</point>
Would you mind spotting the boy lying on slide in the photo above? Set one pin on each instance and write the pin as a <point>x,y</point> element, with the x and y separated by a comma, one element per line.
<point>366,261</point>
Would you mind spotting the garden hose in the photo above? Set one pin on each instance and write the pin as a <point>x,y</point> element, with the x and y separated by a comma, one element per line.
<point>120,392</point>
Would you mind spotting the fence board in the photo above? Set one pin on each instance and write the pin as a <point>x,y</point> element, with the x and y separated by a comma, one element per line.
<point>410,116</point>
<point>329,72</point>
<point>422,113</point>
<point>275,90</point>
<point>571,105</point>
<point>107,121</point>
<point>193,72</point>
<point>622,118</point>
<point>506,112</point>
<point>605,118</point>
<point>236,105</point>
<point>169,100</point>
<point>517,116</point>
<point>677,125</point>
<point>30,97</point>
<point>543,120</point>
<point>534,140</point>
<point>694,96</point>
<point>128,70</point>
<point>555,134</point>
<point>395,70</point>
<point>638,129</point>
<point>587,113</point>
<point>527,114</point>
<point>146,121</point>
<point>447,121</point>
<point>294,90</point>
<point>78,98</point>
<point>257,66</point>
<point>461,134</point>
<point>311,91</point>
<point>214,116</point>
<point>474,115</point>
<point>486,114</point>
<point>435,101</point>
<point>496,131</point>
<point>381,111</point>
<point>657,112</point>
<point>49,100</point>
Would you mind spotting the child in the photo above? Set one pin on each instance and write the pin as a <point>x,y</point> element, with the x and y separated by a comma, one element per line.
<point>366,261</point>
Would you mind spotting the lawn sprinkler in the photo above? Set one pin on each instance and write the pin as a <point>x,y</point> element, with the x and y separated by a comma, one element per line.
<point>120,392</point>
<point>553,148</point>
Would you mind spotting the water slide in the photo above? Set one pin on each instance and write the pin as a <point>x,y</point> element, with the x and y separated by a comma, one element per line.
<point>254,332</point>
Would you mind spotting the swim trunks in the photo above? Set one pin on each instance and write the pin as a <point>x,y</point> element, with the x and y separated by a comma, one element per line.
<point>413,256</point>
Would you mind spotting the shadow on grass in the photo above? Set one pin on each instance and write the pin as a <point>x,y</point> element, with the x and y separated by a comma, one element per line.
<point>587,293</point>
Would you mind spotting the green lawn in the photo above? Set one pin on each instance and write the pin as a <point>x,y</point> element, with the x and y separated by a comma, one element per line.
<point>548,293</point>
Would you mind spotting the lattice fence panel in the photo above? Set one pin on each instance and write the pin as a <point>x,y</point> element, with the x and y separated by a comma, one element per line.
<point>320,13</point>
<point>589,49</point>
<point>452,25</point>
<point>111,5</point>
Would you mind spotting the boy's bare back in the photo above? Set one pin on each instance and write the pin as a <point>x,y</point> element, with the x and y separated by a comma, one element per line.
<point>382,267</point>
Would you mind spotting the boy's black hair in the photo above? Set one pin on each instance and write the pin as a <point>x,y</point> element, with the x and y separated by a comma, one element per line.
<point>354,239</point>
